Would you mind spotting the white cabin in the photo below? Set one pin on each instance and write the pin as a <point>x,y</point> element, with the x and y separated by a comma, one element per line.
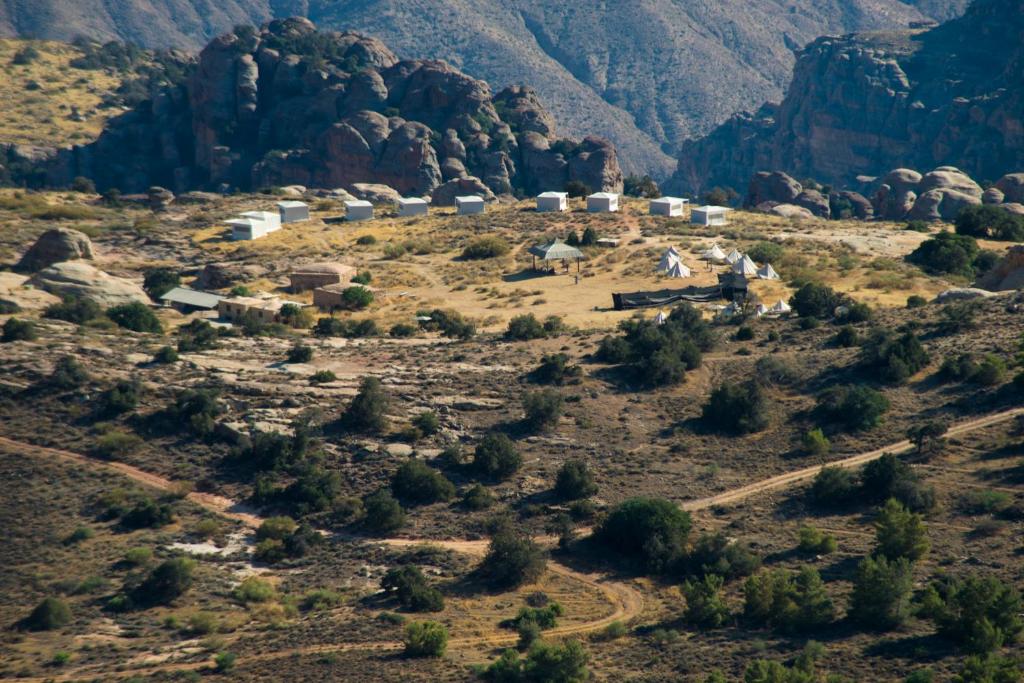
<point>358,210</point>
<point>271,219</point>
<point>668,206</point>
<point>467,206</point>
<point>709,215</point>
<point>412,206</point>
<point>552,201</point>
<point>603,202</point>
<point>246,229</point>
<point>293,211</point>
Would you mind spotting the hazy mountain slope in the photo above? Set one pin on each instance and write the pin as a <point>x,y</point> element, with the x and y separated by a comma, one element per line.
<point>647,74</point>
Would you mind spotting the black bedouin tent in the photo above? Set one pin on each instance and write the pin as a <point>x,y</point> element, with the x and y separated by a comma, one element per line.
<point>664,297</point>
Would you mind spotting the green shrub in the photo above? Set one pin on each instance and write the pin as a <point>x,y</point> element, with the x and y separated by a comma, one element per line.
<point>545,617</point>
<point>881,593</point>
<point>402,330</point>
<point>136,317</point>
<point>524,328</point>
<point>766,252</point>
<point>167,581</point>
<point>736,409</point>
<point>815,542</point>
<point>574,481</point>
<point>496,456</point>
<point>72,309</point>
<point>60,658</point>
<point>352,329</point>
<point>704,604</point>
<point>816,300</point>
<point>356,298</point>
<point>197,335</point>
<point>159,281</point>
<point>477,497</point>
<point>833,487</point>
<point>121,398</point>
<point>368,410</point>
<point>857,407</point>
<point>300,353</point>
<point>900,533</point>
<point>148,514</point>
<point>565,663</point>
<point>651,531</point>
<point>990,222</point>
<point>555,369</point>
<point>716,553</point>
<point>366,240</point>
<point>425,639</point>
<point>427,423</point>
<point>18,330</point>
<point>512,560</point>
<point>224,662</point>
<point>980,614</point>
<point>321,599</point>
<point>417,483</point>
<point>892,358</point>
<point>889,477</point>
<point>815,442</point>
<point>542,409</point>
<point>117,444</point>
<point>788,601</point>
<point>277,528</point>
<point>165,355</point>
<point>659,355</point>
<point>450,323</point>
<point>916,301</point>
<point>383,513</point>
<point>50,614</point>
<point>412,590</point>
<point>990,668</point>
<point>489,246</point>
<point>322,377</point>
<point>138,556</point>
<point>254,589</point>
<point>946,254</point>
<point>67,374</point>
<point>847,337</point>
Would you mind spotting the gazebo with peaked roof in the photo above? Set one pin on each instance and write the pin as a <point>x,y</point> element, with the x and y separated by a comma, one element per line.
<point>556,250</point>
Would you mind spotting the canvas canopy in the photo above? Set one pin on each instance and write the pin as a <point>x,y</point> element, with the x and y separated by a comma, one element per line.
<point>766,272</point>
<point>678,269</point>
<point>745,266</point>
<point>556,250</point>
<point>780,306</point>
<point>733,256</point>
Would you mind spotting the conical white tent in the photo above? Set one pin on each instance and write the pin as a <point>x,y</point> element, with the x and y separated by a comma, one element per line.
<point>745,266</point>
<point>678,269</point>
<point>660,318</point>
<point>760,310</point>
<point>668,259</point>
<point>733,257</point>
<point>714,254</point>
<point>730,310</point>
<point>780,307</point>
<point>766,272</point>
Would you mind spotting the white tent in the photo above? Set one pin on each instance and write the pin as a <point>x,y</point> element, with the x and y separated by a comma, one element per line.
<point>714,254</point>
<point>766,272</point>
<point>667,206</point>
<point>780,306</point>
<point>745,266</point>
<point>552,201</point>
<point>358,210</point>
<point>660,318</point>
<point>733,257</point>
<point>412,206</point>
<point>468,205</point>
<point>678,269</point>
<point>603,202</point>
<point>668,259</point>
<point>761,310</point>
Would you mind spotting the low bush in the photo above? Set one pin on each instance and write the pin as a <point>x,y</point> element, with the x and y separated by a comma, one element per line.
<point>72,309</point>
<point>412,590</point>
<point>382,513</point>
<point>166,582</point>
<point>900,533</point>
<point>882,590</point>
<point>159,281</point>
<point>496,456</point>
<point>198,335</point>
<point>425,639</point>
<point>512,560</point>
<point>574,481</point>
<point>816,542</point>
<point>704,604</point>
<point>16,329</point>
<point>556,369</point>
<point>980,614</point>
<point>477,497</point>
<point>542,409</point>
<point>136,317</point>
<point>417,483</point>
<point>368,410</point>
<point>50,614</point>
<point>486,247</point>
<point>857,407</point>
<point>816,300</point>
<point>814,442</point>
<point>990,222</point>
<point>650,531</point>
<point>736,409</point>
<point>788,601</point>
<point>253,589</point>
<point>300,353</point>
<point>893,358</point>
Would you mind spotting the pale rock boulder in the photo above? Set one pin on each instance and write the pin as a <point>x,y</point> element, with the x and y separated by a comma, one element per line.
<point>80,279</point>
<point>55,246</point>
<point>460,187</point>
<point>1012,187</point>
<point>791,211</point>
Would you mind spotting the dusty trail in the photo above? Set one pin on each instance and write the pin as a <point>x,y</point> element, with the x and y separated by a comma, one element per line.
<point>626,601</point>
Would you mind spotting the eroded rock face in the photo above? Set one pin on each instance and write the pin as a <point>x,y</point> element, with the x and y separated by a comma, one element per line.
<point>224,275</point>
<point>776,187</point>
<point>55,246</point>
<point>376,193</point>
<point>259,111</point>
<point>790,211</point>
<point>80,279</point>
<point>460,187</point>
<point>1012,187</point>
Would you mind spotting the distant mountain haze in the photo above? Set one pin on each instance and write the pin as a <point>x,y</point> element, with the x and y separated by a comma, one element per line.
<point>647,75</point>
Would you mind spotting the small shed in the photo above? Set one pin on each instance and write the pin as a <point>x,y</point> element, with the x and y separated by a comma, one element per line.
<point>709,215</point>
<point>246,229</point>
<point>552,201</point>
<point>188,300</point>
<point>668,206</point>
<point>269,218</point>
<point>412,206</point>
<point>603,202</point>
<point>469,205</point>
<point>358,210</point>
<point>556,250</point>
<point>313,275</point>
<point>293,211</point>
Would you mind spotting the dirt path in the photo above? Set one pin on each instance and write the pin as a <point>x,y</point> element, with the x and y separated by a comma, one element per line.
<point>626,601</point>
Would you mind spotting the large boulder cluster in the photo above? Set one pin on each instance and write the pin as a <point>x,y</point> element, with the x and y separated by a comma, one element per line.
<point>290,105</point>
<point>780,194</point>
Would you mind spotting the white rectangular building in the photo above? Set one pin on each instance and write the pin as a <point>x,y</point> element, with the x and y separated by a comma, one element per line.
<point>246,229</point>
<point>552,201</point>
<point>358,210</point>
<point>412,206</point>
<point>293,211</point>
<point>668,206</point>
<point>603,202</point>
<point>709,215</point>
<point>271,219</point>
<point>467,206</point>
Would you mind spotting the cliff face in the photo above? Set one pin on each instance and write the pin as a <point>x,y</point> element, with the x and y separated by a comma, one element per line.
<point>291,105</point>
<point>862,104</point>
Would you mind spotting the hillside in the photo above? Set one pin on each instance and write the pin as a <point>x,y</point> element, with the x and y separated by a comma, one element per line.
<point>646,76</point>
<point>863,104</point>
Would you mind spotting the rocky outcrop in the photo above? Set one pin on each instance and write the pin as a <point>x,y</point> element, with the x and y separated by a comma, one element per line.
<point>55,246</point>
<point>790,211</point>
<point>1007,274</point>
<point>376,193</point>
<point>772,187</point>
<point>80,279</point>
<point>864,103</point>
<point>224,275</point>
<point>460,187</point>
<point>1011,186</point>
<point>903,194</point>
<point>288,105</point>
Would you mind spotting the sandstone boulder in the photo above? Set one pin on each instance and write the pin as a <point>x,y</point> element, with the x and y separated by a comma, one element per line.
<point>776,187</point>
<point>896,194</point>
<point>962,294</point>
<point>224,275</point>
<point>376,193</point>
<point>791,211</point>
<point>14,289</point>
<point>1012,187</point>
<point>815,202</point>
<point>860,205</point>
<point>159,198</point>
<point>1007,274</point>
<point>992,196</point>
<point>197,198</point>
<point>941,204</point>
<point>1014,207</point>
<point>80,279</point>
<point>460,187</point>
<point>949,178</point>
<point>55,246</point>
<point>522,109</point>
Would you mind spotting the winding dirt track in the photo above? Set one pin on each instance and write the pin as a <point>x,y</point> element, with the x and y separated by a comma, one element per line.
<point>627,603</point>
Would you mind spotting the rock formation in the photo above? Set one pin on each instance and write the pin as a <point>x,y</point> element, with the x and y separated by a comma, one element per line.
<point>1007,274</point>
<point>55,246</point>
<point>864,103</point>
<point>80,279</point>
<point>290,105</point>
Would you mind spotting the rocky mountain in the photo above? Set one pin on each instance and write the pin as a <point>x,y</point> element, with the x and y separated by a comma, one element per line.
<point>292,105</point>
<point>863,104</point>
<point>645,75</point>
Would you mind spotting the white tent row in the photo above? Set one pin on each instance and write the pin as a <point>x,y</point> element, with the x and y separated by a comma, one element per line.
<point>745,266</point>
<point>733,256</point>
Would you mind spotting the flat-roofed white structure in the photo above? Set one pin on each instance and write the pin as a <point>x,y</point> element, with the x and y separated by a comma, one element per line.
<point>668,206</point>
<point>293,211</point>
<point>271,219</point>
<point>358,210</point>
<point>412,206</point>
<point>603,202</point>
<point>552,201</point>
<point>709,215</point>
<point>246,229</point>
<point>466,206</point>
